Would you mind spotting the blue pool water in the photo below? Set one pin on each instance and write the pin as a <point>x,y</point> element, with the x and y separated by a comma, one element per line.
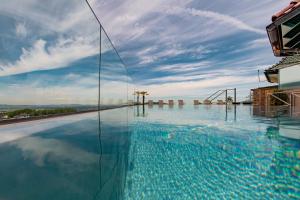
<point>66,158</point>
<point>202,152</point>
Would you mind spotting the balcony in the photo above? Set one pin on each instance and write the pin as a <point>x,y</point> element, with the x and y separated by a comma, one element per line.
<point>284,34</point>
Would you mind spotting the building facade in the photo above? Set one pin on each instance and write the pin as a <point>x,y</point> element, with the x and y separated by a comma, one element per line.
<point>286,74</point>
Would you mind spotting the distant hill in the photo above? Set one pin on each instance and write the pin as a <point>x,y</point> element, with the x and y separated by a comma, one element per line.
<point>78,107</point>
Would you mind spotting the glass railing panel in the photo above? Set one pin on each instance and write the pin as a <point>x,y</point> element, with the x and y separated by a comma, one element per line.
<point>114,77</point>
<point>56,60</point>
<point>49,58</point>
<point>49,67</point>
<point>114,129</point>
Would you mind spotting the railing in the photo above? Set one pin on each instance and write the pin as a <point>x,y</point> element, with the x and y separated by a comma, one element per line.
<point>219,93</point>
<point>208,98</point>
<point>295,99</point>
<point>290,108</point>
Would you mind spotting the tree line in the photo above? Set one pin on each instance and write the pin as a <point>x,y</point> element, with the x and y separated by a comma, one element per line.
<point>39,112</point>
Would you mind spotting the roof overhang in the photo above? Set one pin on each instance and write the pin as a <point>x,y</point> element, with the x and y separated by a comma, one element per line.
<point>272,76</point>
<point>266,88</point>
<point>284,34</point>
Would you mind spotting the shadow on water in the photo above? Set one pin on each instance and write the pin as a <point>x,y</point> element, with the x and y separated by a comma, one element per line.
<point>81,160</point>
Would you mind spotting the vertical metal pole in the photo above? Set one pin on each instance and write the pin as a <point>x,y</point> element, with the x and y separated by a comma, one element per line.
<point>258,78</point>
<point>226,110</point>
<point>268,99</point>
<point>291,104</point>
<point>138,110</point>
<point>226,96</point>
<point>235,104</point>
<point>235,112</point>
<point>234,95</point>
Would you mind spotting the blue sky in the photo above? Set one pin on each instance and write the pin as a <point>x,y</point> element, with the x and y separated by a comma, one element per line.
<point>171,48</point>
<point>191,47</point>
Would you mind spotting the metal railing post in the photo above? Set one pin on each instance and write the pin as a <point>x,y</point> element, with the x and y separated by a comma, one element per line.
<point>226,93</point>
<point>234,95</point>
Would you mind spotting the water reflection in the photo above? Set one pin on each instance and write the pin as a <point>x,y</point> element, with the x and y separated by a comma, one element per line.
<point>91,156</point>
<point>59,163</point>
<point>226,116</point>
<point>286,127</point>
<point>82,160</point>
<point>194,152</point>
<point>141,111</point>
<point>287,123</point>
<point>228,110</point>
<point>276,111</point>
<point>115,141</point>
<point>67,60</point>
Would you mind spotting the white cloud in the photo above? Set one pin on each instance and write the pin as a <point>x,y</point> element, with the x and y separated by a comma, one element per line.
<point>184,67</point>
<point>195,87</point>
<point>261,42</point>
<point>72,89</point>
<point>169,29</point>
<point>83,91</point>
<point>164,29</point>
<point>55,16</point>
<point>202,70</point>
<point>12,132</point>
<point>21,30</point>
<point>40,150</point>
<point>28,95</point>
<point>218,17</point>
<point>64,32</point>
<point>41,57</point>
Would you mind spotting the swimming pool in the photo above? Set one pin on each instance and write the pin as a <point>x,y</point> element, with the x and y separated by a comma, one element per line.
<point>65,158</point>
<point>203,152</point>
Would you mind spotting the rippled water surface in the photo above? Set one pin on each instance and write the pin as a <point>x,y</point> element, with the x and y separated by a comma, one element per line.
<point>207,153</point>
<point>66,158</point>
<point>168,153</point>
